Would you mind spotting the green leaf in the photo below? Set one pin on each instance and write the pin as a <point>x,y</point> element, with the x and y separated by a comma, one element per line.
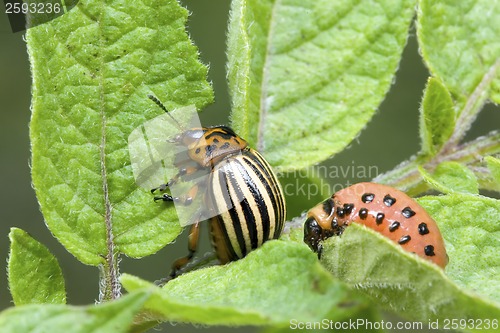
<point>115,317</point>
<point>460,45</point>
<point>399,280</point>
<point>312,71</point>
<point>34,273</point>
<point>92,70</point>
<point>452,177</point>
<point>363,322</point>
<point>437,117</point>
<point>494,167</point>
<point>470,225</point>
<point>276,283</point>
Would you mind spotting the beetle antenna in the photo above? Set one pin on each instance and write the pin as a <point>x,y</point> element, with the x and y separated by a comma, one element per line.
<point>157,102</point>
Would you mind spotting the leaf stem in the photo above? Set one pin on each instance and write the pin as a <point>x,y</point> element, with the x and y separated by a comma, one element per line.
<point>471,108</point>
<point>109,285</point>
<point>406,175</point>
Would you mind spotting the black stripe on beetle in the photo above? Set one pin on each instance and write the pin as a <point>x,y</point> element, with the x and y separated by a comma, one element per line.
<point>223,132</point>
<point>238,244</point>
<point>225,236</point>
<point>269,181</point>
<point>408,212</point>
<point>240,205</point>
<point>251,225</point>
<point>275,189</point>
<point>258,196</point>
<point>250,218</point>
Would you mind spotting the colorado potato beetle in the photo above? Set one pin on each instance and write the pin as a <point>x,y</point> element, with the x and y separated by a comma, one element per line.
<point>383,209</point>
<point>242,196</point>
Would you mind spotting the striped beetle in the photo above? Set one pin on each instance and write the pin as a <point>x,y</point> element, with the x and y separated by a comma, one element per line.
<point>243,196</point>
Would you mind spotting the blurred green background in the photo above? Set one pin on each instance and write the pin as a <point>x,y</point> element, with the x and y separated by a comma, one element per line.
<point>390,138</point>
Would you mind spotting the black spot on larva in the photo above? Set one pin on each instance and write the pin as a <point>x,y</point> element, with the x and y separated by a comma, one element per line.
<point>394,226</point>
<point>197,151</point>
<point>334,224</point>
<point>328,206</point>
<point>389,201</point>
<point>363,213</point>
<point>422,229</point>
<point>367,197</point>
<point>407,212</point>
<point>215,140</point>
<point>225,145</point>
<point>429,250</point>
<point>340,212</point>
<point>379,218</point>
<point>348,208</point>
<point>405,239</point>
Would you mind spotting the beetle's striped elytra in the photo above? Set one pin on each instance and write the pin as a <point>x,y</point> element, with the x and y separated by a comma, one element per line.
<point>246,183</point>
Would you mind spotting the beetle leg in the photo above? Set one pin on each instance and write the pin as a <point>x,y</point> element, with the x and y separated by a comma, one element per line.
<point>320,250</point>
<point>184,200</point>
<point>194,235</point>
<point>164,197</point>
<point>163,187</point>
